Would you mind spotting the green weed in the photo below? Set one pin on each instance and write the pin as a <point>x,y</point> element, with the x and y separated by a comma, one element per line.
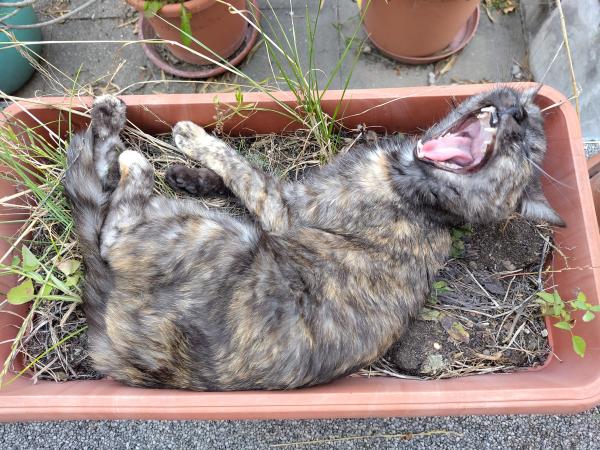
<point>554,306</point>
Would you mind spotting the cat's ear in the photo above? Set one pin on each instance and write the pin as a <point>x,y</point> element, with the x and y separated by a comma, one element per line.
<point>535,206</point>
<point>529,95</point>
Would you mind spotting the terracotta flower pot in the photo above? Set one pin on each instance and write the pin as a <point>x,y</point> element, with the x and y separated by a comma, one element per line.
<point>211,23</point>
<point>567,385</point>
<point>418,31</point>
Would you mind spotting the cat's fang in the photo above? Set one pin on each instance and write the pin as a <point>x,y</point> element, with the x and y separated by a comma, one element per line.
<point>419,149</point>
<point>493,114</point>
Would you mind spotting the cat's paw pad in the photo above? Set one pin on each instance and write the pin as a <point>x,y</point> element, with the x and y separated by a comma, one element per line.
<point>189,137</point>
<point>182,178</point>
<point>132,162</point>
<point>195,181</point>
<point>109,115</point>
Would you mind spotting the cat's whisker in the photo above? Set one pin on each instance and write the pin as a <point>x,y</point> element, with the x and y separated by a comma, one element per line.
<point>543,172</point>
<point>557,104</point>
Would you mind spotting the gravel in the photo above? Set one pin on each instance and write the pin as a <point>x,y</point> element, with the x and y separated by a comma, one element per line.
<point>473,432</point>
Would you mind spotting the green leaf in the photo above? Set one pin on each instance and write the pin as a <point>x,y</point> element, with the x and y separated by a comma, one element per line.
<point>581,296</point>
<point>72,280</point>
<point>579,304</point>
<point>152,7</point>
<point>16,261</point>
<point>20,294</point>
<point>563,325</point>
<point>456,234</point>
<point>588,316</point>
<point>45,290</point>
<point>546,296</point>
<point>438,285</point>
<point>432,315</point>
<point>557,309</point>
<point>30,262</point>
<point>239,96</point>
<point>455,329</point>
<point>578,345</point>
<point>186,27</point>
<point>595,308</point>
<point>69,266</point>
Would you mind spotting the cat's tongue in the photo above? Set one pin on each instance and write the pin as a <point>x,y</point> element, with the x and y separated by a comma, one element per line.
<point>449,148</point>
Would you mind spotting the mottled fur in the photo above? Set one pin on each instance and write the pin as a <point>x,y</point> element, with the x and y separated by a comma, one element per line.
<point>328,275</point>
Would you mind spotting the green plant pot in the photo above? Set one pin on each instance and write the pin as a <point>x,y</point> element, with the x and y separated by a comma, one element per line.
<point>15,69</point>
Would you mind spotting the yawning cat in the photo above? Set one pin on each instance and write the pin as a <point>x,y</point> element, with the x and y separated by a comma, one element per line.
<point>325,278</point>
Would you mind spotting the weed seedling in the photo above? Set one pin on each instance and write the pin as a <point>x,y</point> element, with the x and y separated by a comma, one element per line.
<point>457,235</point>
<point>554,306</point>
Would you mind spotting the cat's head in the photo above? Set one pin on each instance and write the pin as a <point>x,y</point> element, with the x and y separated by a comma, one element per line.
<point>482,162</point>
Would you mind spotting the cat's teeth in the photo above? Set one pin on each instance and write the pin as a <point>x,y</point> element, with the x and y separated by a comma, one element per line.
<point>491,130</point>
<point>419,147</point>
<point>490,109</point>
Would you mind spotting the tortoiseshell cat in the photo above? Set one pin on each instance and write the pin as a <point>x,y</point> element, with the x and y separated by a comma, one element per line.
<point>327,276</point>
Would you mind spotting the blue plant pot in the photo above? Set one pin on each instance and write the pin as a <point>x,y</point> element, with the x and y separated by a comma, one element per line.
<point>15,69</point>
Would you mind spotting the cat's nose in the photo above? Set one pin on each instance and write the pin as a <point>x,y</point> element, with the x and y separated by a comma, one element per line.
<point>516,112</point>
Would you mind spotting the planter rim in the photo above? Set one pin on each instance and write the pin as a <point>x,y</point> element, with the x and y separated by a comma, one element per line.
<point>558,387</point>
<point>174,9</point>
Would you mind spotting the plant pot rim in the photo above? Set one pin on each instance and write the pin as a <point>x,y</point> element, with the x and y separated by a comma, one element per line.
<point>467,31</point>
<point>559,387</point>
<point>174,9</point>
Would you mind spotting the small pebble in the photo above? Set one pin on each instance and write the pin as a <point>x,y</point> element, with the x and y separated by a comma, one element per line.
<point>486,352</point>
<point>544,333</point>
<point>431,78</point>
<point>437,346</point>
<point>508,265</point>
<point>367,49</point>
<point>516,72</point>
<point>482,325</point>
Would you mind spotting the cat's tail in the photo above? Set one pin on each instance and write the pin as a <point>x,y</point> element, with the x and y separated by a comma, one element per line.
<point>89,200</point>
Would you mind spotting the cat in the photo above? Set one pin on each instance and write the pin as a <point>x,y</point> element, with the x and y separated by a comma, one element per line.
<point>322,277</point>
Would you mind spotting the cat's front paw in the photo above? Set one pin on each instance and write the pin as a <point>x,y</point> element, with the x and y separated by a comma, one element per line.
<point>108,115</point>
<point>196,182</point>
<point>192,139</point>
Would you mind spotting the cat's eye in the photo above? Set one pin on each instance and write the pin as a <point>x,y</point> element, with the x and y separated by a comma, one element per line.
<point>517,112</point>
<point>520,115</point>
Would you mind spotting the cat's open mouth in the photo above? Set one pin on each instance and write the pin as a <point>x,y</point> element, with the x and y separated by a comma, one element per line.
<point>466,146</point>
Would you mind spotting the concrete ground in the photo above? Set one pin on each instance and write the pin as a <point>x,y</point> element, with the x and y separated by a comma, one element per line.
<point>498,53</point>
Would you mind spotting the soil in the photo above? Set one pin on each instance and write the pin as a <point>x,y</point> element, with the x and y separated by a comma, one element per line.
<point>481,316</point>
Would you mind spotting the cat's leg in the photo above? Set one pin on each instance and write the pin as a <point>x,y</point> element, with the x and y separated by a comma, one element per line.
<point>197,182</point>
<point>129,200</point>
<point>108,120</point>
<point>260,192</point>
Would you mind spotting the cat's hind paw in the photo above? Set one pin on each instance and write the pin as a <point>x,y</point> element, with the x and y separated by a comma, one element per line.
<point>192,139</point>
<point>108,116</point>
<point>132,163</point>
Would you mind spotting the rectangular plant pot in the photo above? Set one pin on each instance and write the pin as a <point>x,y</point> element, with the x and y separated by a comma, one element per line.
<point>566,383</point>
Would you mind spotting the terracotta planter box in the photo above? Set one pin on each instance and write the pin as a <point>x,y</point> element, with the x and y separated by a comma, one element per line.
<point>567,385</point>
